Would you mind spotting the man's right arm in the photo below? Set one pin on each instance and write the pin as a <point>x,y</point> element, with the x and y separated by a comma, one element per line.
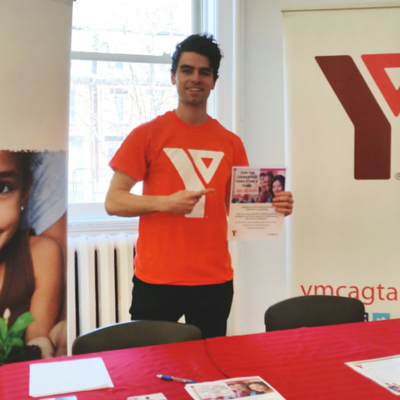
<point>120,202</point>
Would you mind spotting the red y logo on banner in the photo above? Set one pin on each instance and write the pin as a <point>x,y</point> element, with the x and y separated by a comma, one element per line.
<point>372,145</point>
<point>377,65</point>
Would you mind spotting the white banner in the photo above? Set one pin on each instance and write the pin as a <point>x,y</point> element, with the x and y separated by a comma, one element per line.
<point>343,104</point>
<point>35,43</point>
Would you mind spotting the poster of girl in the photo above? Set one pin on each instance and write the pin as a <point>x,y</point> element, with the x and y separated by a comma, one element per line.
<point>31,267</point>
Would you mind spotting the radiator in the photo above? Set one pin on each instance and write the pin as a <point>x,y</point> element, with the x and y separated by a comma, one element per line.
<point>99,281</point>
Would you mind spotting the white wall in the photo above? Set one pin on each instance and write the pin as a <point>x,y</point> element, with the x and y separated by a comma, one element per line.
<point>260,275</point>
<point>35,42</point>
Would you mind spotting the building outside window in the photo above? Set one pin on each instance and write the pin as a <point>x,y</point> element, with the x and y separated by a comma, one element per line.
<point>119,79</point>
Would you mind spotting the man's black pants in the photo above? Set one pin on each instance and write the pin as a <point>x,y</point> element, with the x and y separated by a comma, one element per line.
<point>205,306</point>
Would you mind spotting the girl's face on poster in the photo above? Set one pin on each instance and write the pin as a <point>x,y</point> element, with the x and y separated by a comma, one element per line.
<point>11,196</point>
<point>277,187</point>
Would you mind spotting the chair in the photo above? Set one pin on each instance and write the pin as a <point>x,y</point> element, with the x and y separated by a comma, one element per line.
<point>134,334</point>
<point>313,310</point>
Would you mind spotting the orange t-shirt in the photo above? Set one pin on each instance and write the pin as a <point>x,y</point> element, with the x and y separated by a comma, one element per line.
<point>169,155</point>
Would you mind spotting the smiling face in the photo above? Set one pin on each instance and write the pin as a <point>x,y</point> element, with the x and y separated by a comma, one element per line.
<point>259,387</point>
<point>237,386</point>
<point>194,79</point>
<point>277,187</point>
<point>12,195</point>
<point>265,182</point>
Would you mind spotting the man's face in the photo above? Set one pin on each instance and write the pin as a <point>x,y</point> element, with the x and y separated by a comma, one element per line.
<point>194,79</point>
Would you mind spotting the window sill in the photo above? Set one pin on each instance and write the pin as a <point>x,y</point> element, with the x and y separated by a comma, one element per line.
<point>91,219</point>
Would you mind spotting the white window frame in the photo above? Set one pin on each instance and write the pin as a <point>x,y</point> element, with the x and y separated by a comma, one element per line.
<point>91,218</point>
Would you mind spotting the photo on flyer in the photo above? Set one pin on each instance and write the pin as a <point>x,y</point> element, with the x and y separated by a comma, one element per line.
<point>252,215</point>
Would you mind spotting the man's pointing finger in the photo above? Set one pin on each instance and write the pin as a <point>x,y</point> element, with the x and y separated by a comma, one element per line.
<point>205,191</point>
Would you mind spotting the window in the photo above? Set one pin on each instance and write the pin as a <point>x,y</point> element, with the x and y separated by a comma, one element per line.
<point>119,79</point>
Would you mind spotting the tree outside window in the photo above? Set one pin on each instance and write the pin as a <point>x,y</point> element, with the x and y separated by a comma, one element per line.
<point>119,79</point>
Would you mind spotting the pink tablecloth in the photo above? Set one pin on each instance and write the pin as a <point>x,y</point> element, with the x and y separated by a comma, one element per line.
<point>132,371</point>
<point>308,363</point>
<point>302,364</point>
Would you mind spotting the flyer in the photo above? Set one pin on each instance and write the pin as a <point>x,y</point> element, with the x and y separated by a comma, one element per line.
<point>384,371</point>
<point>251,214</point>
<point>233,388</point>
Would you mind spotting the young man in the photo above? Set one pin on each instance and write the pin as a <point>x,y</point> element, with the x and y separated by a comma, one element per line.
<point>184,159</point>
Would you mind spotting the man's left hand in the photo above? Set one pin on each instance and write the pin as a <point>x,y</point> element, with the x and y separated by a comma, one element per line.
<point>283,203</point>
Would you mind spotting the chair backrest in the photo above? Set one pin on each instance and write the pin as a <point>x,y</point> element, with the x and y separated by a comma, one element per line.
<point>134,334</point>
<point>313,310</point>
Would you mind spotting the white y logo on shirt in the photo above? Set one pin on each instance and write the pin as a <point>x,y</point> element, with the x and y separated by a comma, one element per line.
<point>186,171</point>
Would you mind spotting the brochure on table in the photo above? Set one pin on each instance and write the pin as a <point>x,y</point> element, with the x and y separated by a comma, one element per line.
<point>384,371</point>
<point>251,214</point>
<point>227,389</point>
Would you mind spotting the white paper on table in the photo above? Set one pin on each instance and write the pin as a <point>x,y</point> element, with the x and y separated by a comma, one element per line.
<point>384,371</point>
<point>62,398</point>
<point>58,377</point>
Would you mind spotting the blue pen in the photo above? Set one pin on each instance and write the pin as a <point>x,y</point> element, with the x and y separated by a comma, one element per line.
<point>171,378</point>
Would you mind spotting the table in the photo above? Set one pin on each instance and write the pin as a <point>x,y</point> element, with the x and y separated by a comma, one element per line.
<point>308,363</point>
<point>302,364</point>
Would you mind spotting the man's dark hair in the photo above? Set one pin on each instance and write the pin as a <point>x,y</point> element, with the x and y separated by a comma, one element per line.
<point>201,44</point>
